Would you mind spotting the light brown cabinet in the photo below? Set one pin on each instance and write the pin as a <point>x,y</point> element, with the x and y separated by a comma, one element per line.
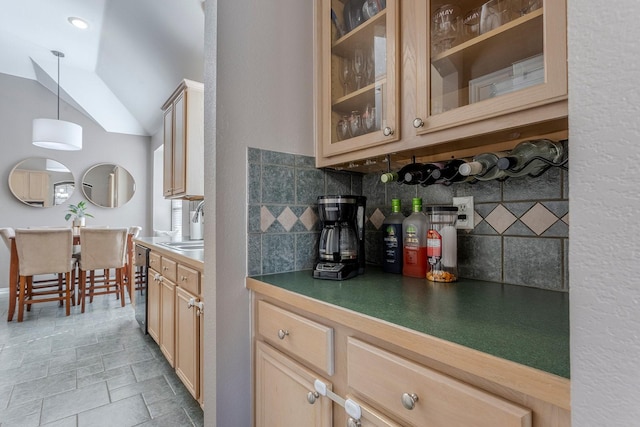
<point>478,92</point>
<point>382,370</point>
<point>153,304</point>
<point>31,186</point>
<point>175,317</point>
<point>167,320</point>
<point>183,133</point>
<point>357,80</point>
<point>188,341</point>
<point>294,403</point>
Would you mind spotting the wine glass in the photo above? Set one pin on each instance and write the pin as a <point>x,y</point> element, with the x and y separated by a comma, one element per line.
<point>358,65</point>
<point>355,123</point>
<point>342,129</point>
<point>346,74</point>
<point>369,118</point>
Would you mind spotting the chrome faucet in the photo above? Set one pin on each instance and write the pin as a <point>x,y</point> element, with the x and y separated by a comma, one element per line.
<point>198,213</point>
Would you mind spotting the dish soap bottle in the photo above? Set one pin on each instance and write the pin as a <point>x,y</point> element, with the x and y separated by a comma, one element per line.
<point>392,239</point>
<point>414,232</point>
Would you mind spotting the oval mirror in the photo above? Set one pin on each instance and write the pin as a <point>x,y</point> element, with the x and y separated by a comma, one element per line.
<point>108,185</point>
<point>41,182</point>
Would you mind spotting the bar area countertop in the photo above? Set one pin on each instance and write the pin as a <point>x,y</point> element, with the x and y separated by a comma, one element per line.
<point>525,325</point>
<point>192,256</point>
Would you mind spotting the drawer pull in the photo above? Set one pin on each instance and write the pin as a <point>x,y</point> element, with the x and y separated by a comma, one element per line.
<point>312,396</point>
<point>409,400</point>
<point>351,422</point>
<point>282,333</point>
<point>165,268</point>
<point>183,278</point>
<point>191,303</point>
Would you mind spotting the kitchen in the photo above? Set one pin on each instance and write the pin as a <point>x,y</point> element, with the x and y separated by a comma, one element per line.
<point>602,295</point>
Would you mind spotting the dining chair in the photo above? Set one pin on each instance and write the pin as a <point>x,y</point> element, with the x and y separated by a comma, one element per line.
<point>102,249</point>
<point>7,234</point>
<point>44,251</point>
<point>134,272</point>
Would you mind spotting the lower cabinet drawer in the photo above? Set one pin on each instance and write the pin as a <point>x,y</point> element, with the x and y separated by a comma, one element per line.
<point>296,335</point>
<point>421,396</point>
<point>188,279</point>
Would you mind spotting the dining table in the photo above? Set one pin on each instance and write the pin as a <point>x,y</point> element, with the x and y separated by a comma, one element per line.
<point>14,269</point>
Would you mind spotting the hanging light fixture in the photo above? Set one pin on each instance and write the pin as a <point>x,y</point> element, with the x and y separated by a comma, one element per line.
<point>57,134</point>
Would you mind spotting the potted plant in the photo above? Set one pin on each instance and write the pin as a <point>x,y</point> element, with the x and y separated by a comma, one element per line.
<point>79,212</point>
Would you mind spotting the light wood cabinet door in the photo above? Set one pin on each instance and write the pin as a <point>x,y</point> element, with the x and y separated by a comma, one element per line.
<point>357,80</point>
<point>168,151</point>
<point>167,320</point>
<point>282,390</point>
<point>179,144</point>
<point>188,341</point>
<point>519,62</point>
<point>153,304</point>
<point>184,142</point>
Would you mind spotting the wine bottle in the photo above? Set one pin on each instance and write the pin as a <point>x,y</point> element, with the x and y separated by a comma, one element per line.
<point>525,158</point>
<point>389,177</point>
<point>450,173</point>
<point>426,174</point>
<point>408,171</point>
<point>484,167</point>
<point>392,239</point>
<point>414,232</point>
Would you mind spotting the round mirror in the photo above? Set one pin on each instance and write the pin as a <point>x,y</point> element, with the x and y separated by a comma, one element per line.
<point>108,185</point>
<point>41,182</point>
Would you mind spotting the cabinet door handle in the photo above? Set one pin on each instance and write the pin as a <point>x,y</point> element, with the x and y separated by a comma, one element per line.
<point>409,400</point>
<point>191,303</point>
<point>387,131</point>
<point>352,422</point>
<point>418,122</point>
<point>312,396</point>
<point>282,333</point>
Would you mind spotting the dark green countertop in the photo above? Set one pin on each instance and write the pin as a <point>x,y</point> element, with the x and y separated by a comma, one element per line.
<point>525,325</point>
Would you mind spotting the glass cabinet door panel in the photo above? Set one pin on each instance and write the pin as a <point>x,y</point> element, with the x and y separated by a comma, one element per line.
<point>359,101</point>
<point>489,57</point>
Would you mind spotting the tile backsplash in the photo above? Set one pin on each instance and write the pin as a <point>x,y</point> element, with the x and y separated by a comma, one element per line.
<point>521,233</point>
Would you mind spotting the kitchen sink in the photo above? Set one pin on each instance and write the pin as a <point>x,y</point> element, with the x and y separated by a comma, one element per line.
<point>188,245</point>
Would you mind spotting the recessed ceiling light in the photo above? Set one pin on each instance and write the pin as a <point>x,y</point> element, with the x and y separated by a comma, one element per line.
<point>78,22</point>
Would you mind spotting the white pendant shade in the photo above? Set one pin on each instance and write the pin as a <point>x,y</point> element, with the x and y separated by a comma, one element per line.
<point>57,134</point>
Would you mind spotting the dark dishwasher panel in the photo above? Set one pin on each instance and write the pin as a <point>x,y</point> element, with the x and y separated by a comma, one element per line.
<point>141,277</point>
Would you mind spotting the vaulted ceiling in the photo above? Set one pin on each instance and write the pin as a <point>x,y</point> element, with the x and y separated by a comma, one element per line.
<point>121,69</point>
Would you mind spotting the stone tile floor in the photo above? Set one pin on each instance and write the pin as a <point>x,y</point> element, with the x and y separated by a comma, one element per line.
<point>92,369</point>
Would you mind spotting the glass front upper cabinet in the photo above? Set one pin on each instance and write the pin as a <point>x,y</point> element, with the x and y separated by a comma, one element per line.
<point>357,76</point>
<point>487,58</point>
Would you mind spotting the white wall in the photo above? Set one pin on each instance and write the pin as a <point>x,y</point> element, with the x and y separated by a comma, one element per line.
<point>23,100</point>
<point>604,120</point>
<point>262,98</point>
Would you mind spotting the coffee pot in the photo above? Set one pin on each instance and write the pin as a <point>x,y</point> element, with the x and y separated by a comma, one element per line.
<point>341,243</point>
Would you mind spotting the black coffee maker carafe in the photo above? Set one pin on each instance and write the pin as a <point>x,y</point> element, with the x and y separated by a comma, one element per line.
<point>341,245</point>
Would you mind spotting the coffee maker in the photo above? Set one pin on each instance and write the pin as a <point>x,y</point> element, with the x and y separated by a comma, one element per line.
<point>341,245</point>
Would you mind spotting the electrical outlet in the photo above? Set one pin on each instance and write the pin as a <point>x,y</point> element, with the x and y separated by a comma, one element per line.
<point>465,212</point>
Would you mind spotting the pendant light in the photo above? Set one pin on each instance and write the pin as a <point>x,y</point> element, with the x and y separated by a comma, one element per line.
<point>57,134</point>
